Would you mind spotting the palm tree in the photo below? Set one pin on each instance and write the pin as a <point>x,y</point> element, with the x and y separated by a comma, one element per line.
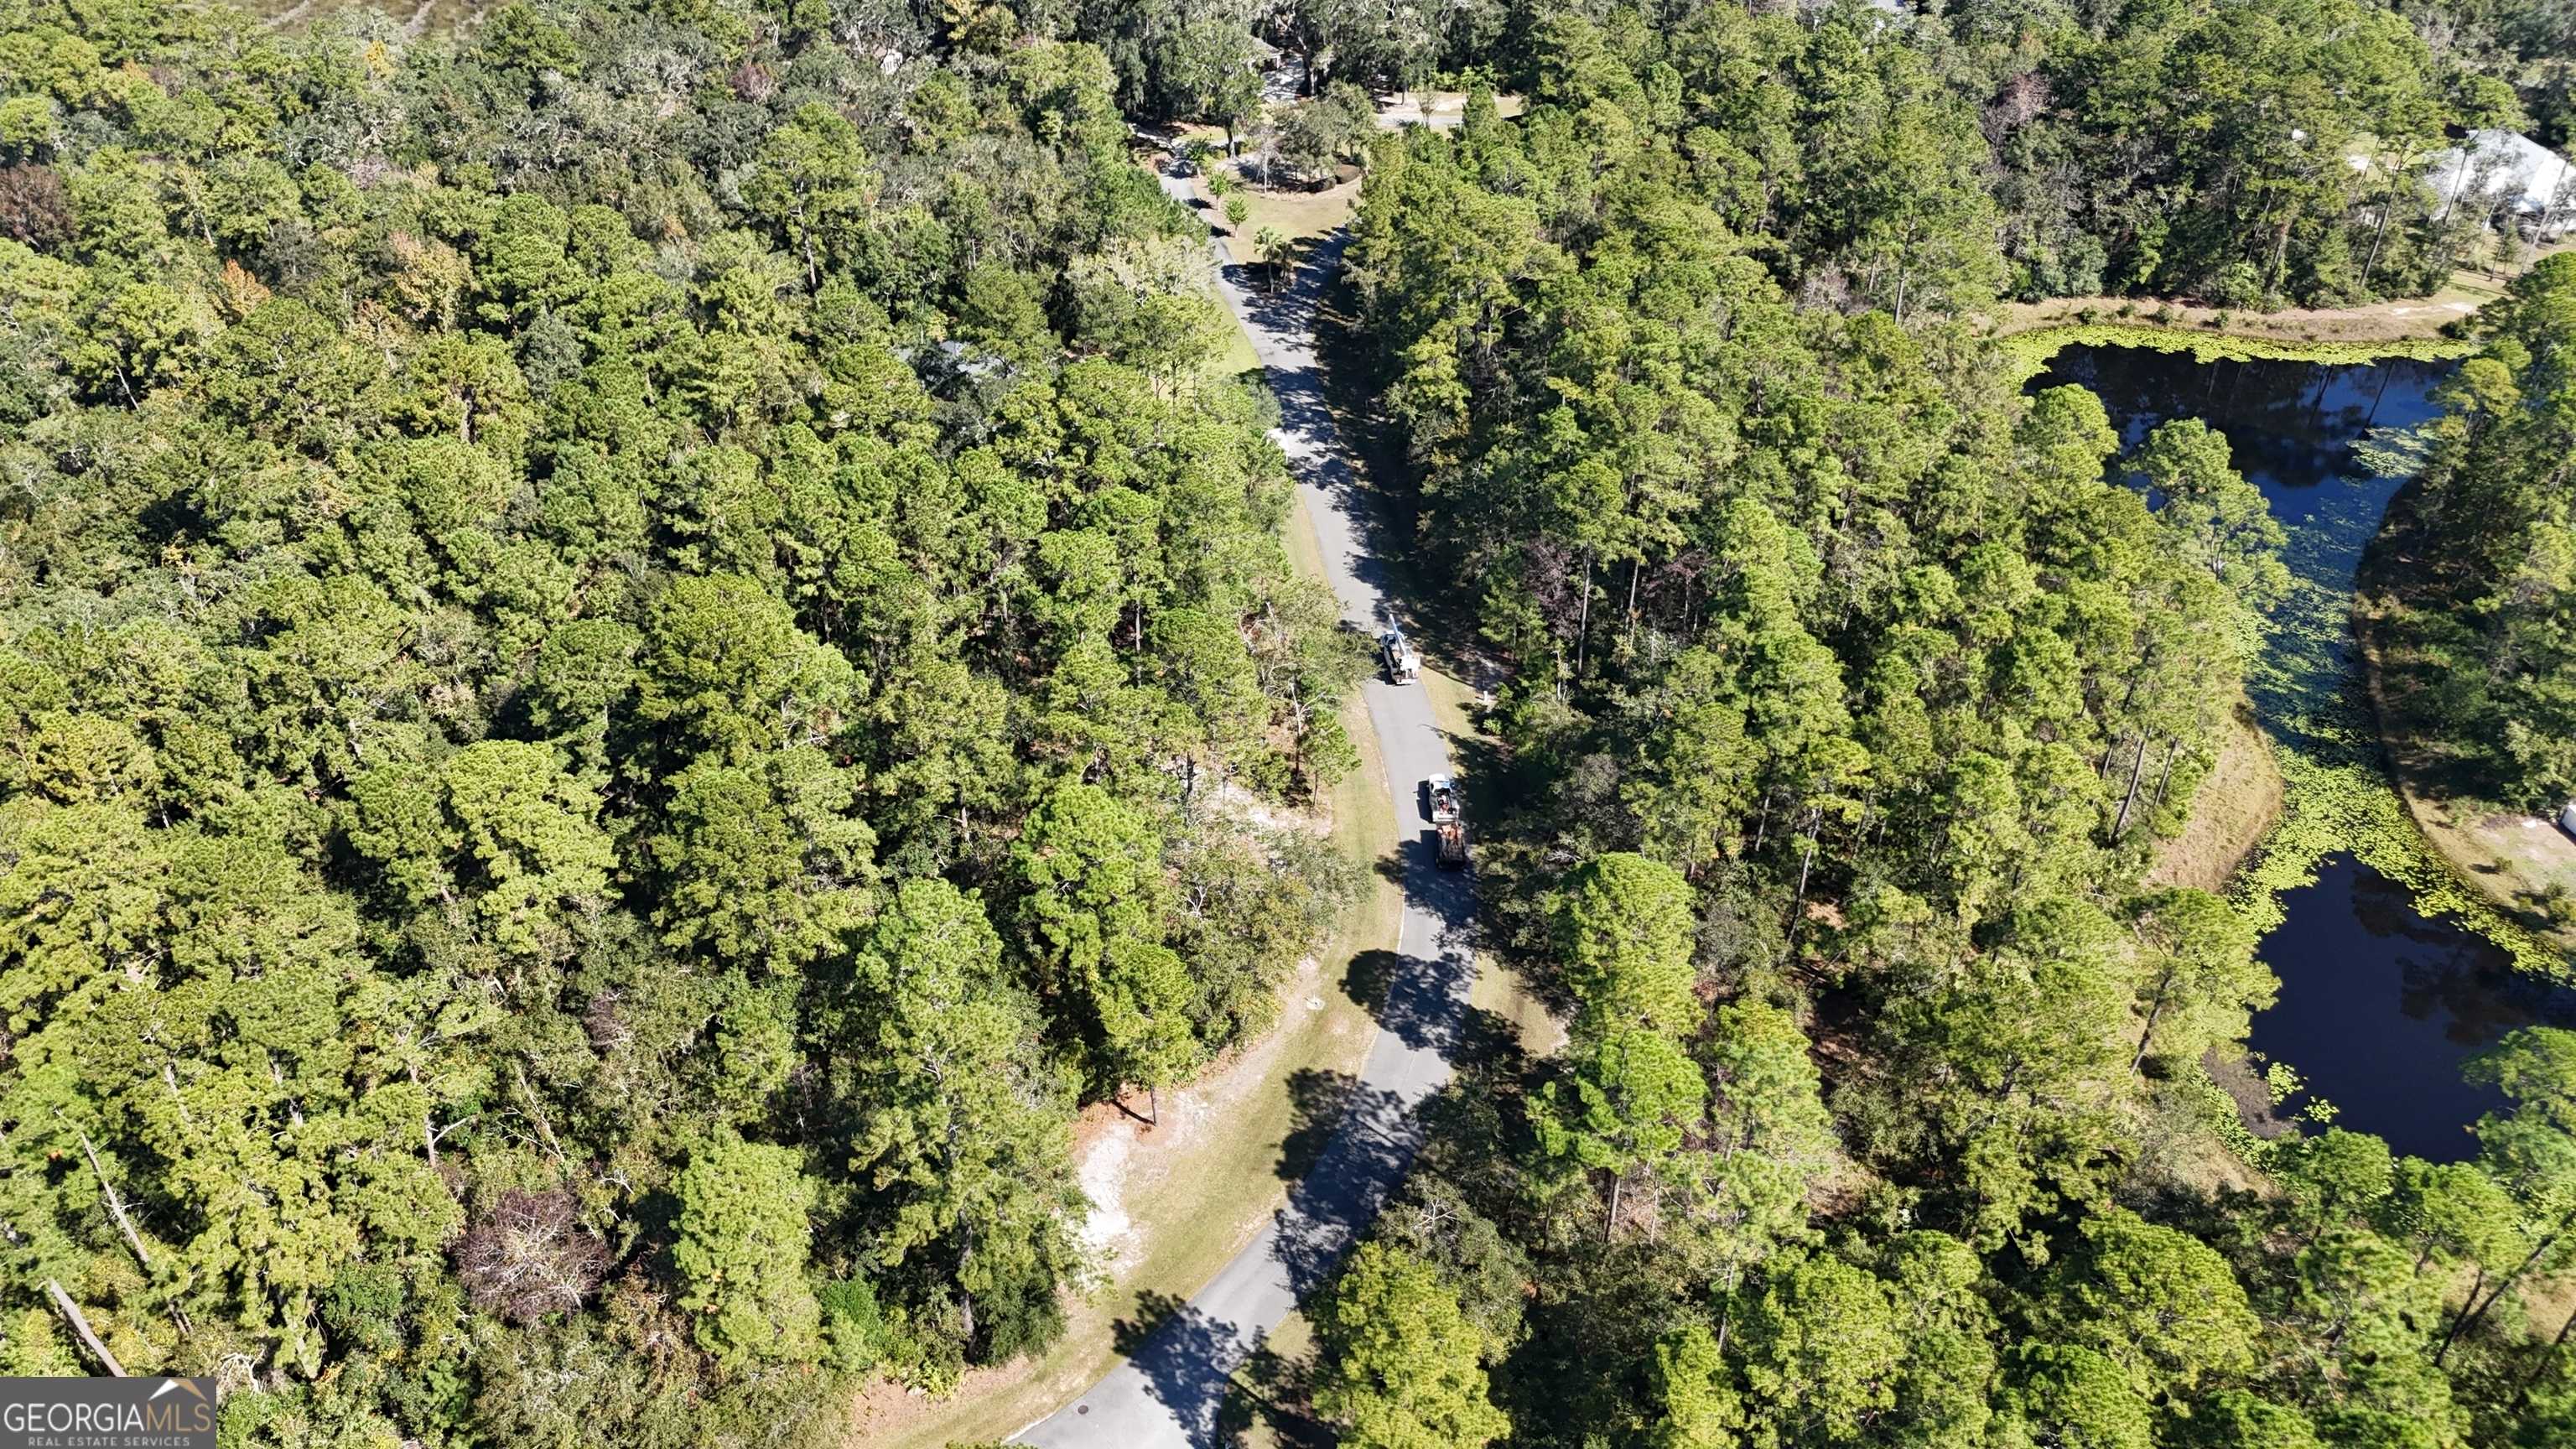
<point>1277,250</point>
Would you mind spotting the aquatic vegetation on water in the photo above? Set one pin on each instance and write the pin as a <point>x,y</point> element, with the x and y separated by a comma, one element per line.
<point>2295,432</point>
<point>2339,796</point>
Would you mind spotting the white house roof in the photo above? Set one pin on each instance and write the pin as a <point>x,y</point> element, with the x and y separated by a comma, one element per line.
<point>2514,169</point>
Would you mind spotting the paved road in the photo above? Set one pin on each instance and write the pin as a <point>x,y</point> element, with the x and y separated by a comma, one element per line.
<point>1166,1394</point>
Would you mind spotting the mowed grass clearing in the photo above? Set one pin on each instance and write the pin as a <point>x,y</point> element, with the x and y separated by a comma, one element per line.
<point>2404,319</point>
<point>1294,211</point>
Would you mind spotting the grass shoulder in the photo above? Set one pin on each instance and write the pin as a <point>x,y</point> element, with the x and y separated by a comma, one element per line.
<point>2421,327</point>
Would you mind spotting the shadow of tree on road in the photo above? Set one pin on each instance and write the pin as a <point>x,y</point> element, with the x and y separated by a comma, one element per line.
<point>1288,306</point>
<point>1412,998</point>
<point>1317,1102</point>
<point>1183,1352</point>
<point>1327,1208</point>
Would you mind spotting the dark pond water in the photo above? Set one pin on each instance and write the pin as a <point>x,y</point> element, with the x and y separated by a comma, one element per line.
<point>2381,1007</point>
<point>2380,1004</point>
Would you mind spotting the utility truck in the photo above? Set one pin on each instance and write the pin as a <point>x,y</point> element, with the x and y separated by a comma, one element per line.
<point>1442,794</point>
<point>1402,661</point>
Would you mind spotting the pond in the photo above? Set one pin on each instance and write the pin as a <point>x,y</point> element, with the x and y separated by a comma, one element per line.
<point>2381,1000</point>
<point>2380,1008</point>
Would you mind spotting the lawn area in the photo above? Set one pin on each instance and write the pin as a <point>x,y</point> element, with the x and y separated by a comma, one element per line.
<point>2517,859</point>
<point>1298,214</point>
<point>1191,1194</point>
<point>2411,319</point>
<point>1439,110</point>
<point>1296,211</point>
<point>1304,213</point>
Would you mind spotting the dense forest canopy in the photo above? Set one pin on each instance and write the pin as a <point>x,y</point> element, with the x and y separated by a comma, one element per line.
<point>634,648</point>
<point>2249,152</point>
<point>640,643</point>
<point>2487,633</point>
<point>1848,688</point>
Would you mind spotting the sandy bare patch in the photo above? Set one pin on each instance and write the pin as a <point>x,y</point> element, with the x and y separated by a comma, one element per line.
<point>2232,812</point>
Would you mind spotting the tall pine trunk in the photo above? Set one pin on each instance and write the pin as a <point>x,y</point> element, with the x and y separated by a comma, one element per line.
<point>2137,771</point>
<point>1583,615</point>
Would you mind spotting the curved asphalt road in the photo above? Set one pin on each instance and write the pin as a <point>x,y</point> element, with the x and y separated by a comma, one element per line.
<point>1166,1394</point>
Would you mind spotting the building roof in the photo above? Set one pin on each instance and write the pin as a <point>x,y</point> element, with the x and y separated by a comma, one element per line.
<point>2513,169</point>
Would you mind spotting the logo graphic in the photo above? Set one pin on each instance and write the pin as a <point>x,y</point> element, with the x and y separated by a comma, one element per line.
<point>107,1414</point>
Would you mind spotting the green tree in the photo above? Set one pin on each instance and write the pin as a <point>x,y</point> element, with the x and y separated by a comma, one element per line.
<point>1695,1405</point>
<point>1143,994</point>
<point>765,867</point>
<point>2335,1177</point>
<point>2072,1396</point>
<point>1277,252</point>
<point>2483,631</point>
<point>1691,795</point>
<point>744,1238</point>
<point>2222,522</point>
<point>501,833</point>
<point>1625,928</point>
<point>724,665</point>
<point>1090,867</point>
<point>1209,63</point>
<point>812,182</point>
<point>959,1128</point>
<point>2235,1417</point>
<point>2200,982</point>
<point>2158,1303</point>
<point>1628,1099</point>
<point>1770,1136</point>
<point>1401,1365</point>
<point>2530,1151</point>
<point>1822,1351</point>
